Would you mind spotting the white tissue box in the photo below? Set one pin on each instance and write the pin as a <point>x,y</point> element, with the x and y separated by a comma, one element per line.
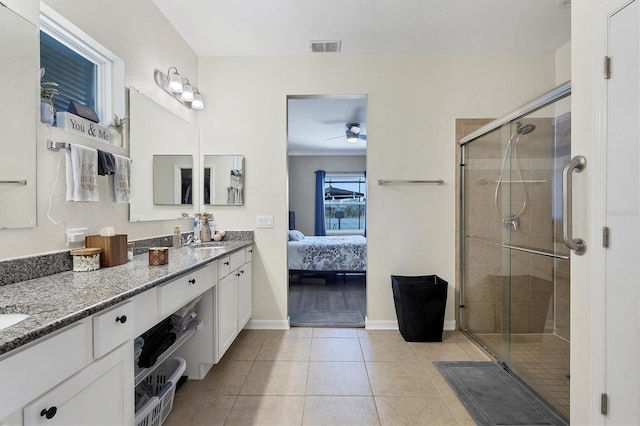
<point>82,126</point>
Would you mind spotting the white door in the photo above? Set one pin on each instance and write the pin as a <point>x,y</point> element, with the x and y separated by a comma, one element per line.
<point>622,217</point>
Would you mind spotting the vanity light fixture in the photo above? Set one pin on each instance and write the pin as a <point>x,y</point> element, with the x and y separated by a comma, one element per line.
<point>198,101</point>
<point>180,88</point>
<point>187,92</point>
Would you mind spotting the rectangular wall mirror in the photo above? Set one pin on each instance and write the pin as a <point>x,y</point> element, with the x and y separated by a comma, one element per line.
<point>18,99</point>
<point>172,179</point>
<point>164,149</point>
<point>223,180</point>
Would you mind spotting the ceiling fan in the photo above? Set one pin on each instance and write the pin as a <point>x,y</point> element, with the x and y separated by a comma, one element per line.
<point>353,132</point>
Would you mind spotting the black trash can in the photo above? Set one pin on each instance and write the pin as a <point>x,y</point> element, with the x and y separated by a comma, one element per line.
<point>420,304</point>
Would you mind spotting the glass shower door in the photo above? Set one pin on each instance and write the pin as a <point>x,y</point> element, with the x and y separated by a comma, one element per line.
<point>515,290</point>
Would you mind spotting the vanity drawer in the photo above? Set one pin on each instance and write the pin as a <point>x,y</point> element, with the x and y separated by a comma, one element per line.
<point>40,366</point>
<point>224,266</point>
<point>236,259</point>
<point>112,328</point>
<point>178,292</point>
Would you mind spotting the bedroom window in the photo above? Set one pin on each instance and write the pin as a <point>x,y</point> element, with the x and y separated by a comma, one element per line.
<point>345,199</point>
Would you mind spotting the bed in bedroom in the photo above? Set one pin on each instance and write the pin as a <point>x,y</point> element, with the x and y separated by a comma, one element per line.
<point>338,254</point>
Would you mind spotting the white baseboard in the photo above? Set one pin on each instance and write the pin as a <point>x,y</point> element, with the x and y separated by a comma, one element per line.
<point>267,324</point>
<point>369,324</point>
<point>393,325</point>
<point>449,325</point>
<point>380,324</point>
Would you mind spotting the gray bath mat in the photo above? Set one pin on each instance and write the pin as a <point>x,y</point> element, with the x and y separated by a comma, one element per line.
<point>327,319</point>
<point>494,397</point>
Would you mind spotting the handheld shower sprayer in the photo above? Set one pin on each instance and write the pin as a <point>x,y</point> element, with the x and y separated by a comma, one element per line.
<point>512,221</point>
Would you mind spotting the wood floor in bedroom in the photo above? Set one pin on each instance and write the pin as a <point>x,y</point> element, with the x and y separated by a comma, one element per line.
<point>335,292</point>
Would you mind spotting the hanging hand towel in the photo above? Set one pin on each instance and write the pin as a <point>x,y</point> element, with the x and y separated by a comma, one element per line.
<point>82,174</point>
<point>121,179</point>
<point>106,163</point>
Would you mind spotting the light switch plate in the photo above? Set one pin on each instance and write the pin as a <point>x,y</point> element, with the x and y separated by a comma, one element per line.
<point>264,221</point>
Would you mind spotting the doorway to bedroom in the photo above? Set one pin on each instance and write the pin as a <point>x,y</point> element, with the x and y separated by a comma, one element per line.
<point>327,195</point>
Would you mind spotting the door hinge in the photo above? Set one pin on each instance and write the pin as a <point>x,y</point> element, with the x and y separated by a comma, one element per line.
<point>607,67</point>
<point>605,236</point>
<point>604,404</point>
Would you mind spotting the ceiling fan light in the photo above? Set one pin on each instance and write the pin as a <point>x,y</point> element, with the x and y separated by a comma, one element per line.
<point>352,137</point>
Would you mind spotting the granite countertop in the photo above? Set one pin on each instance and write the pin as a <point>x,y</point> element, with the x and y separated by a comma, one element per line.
<point>58,300</point>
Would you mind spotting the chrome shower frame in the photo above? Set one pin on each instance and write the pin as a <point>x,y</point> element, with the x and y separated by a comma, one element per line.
<point>546,99</point>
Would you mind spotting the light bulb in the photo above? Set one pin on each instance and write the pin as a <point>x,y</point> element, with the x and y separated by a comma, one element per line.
<point>198,101</point>
<point>175,83</point>
<point>187,93</point>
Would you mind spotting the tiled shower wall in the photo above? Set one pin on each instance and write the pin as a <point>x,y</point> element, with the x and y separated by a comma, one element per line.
<point>539,284</point>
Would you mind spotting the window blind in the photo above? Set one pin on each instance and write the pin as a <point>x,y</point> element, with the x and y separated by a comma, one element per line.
<point>75,74</point>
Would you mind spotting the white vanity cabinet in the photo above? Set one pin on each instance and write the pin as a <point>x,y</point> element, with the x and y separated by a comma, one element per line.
<point>244,290</point>
<point>234,297</point>
<point>100,394</point>
<point>81,375</point>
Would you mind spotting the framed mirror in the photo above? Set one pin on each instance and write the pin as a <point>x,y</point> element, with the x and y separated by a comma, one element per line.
<point>223,182</point>
<point>19,96</point>
<point>173,179</point>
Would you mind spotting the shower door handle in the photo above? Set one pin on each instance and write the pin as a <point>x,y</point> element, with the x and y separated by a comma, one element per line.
<point>577,164</point>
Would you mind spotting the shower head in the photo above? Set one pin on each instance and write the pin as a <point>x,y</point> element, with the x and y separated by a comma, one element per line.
<point>524,129</point>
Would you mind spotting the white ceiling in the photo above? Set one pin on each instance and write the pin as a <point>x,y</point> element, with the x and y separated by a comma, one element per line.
<point>285,27</point>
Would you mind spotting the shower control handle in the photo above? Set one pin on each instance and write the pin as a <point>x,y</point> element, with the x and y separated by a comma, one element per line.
<point>577,164</point>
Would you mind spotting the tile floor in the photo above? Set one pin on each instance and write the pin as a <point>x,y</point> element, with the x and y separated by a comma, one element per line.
<point>542,360</point>
<point>324,376</point>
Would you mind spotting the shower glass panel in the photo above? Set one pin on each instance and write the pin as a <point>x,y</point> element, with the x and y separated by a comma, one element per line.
<point>515,268</point>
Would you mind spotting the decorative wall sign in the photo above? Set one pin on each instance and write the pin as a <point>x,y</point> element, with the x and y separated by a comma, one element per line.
<point>84,127</point>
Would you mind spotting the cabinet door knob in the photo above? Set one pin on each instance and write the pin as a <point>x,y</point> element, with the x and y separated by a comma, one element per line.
<point>251,251</point>
<point>242,272</point>
<point>121,319</point>
<point>238,274</point>
<point>49,413</point>
<point>192,281</point>
<point>226,263</point>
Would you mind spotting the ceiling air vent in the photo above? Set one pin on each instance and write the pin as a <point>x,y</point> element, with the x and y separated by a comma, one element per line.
<point>325,46</point>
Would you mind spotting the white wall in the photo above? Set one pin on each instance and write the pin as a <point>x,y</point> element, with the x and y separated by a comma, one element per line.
<point>302,182</point>
<point>413,101</point>
<point>141,36</point>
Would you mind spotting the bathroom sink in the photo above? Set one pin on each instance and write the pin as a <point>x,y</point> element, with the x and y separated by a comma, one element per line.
<point>7,320</point>
<point>209,251</point>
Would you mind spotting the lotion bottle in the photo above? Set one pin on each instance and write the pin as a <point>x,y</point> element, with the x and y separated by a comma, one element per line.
<point>196,230</point>
<point>177,238</point>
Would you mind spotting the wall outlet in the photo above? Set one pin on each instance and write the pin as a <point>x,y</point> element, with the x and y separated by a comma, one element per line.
<point>77,235</point>
<point>264,221</point>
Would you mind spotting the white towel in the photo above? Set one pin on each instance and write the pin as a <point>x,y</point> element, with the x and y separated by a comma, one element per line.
<point>121,179</point>
<point>82,174</point>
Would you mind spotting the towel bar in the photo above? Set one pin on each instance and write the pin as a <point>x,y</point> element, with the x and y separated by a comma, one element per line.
<point>408,182</point>
<point>55,146</point>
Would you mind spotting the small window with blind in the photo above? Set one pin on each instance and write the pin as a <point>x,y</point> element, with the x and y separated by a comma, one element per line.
<point>76,75</point>
<point>85,71</point>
